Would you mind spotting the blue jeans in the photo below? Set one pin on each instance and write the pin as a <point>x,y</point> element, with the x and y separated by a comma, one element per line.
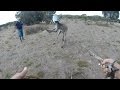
<point>20,33</point>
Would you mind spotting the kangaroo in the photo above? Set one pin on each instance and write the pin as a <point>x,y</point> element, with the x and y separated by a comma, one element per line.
<point>60,28</point>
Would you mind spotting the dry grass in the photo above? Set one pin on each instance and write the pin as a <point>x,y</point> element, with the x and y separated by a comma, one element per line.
<point>27,62</point>
<point>102,24</point>
<point>0,70</point>
<point>118,62</point>
<point>38,65</point>
<point>82,64</point>
<point>6,42</point>
<point>9,46</point>
<point>39,75</point>
<point>32,43</point>
<point>35,29</point>
<point>118,41</point>
<point>50,61</point>
<point>8,75</point>
<point>31,77</point>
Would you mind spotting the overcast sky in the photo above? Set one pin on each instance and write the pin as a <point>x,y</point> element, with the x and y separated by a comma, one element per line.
<point>8,16</point>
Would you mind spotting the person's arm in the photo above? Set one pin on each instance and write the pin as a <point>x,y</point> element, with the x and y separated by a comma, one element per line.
<point>22,23</point>
<point>105,70</point>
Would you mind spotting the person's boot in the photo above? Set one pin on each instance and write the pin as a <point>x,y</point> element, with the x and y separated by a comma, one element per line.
<point>23,38</point>
<point>20,39</point>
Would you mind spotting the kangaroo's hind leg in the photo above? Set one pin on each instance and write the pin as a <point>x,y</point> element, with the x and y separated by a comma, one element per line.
<point>63,39</point>
<point>59,32</point>
<point>57,36</point>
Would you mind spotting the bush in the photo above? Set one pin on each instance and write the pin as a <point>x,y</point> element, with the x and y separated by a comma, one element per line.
<point>34,17</point>
<point>35,29</point>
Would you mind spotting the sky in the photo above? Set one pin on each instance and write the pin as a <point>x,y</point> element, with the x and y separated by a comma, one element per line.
<point>9,16</point>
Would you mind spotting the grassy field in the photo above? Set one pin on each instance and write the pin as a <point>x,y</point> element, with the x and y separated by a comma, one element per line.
<point>46,60</point>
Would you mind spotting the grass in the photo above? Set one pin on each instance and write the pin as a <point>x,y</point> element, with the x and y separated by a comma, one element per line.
<point>9,46</point>
<point>118,41</point>
<point>40,74</point>
<point>103,31</point>
<point>6,42</point>
<point>84,17</point>
<point>35,29</point>
<point>82,64</point>
<point>94,18</point>
<point>31,77</point>
<point>75,21</point>
<point>100,24</point>
<point>115,30</point>
<point>40,36</point>
<point>27,62</point>
<point>32,42</point>
<point>118,62</point>
<point>38,65</point>
<point>56,74</point>
<point>8,76</point>
<point>66,56</point>
<point>0,70</point>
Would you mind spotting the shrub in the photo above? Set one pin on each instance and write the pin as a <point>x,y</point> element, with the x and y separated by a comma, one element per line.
<point>35,29</point>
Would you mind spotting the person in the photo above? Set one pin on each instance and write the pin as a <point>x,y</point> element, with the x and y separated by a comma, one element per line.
<point>105,69</point>
<point>56,20</point>
<point>21,74</point>
<point>19,27</point>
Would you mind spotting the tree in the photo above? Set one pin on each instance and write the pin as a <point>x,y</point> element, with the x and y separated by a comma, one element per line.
<point>111,15</point>
<point>34,17</point>
<point>48,16</point>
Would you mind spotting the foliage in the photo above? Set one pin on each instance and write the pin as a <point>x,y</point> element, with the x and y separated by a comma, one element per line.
<point>34,17</point>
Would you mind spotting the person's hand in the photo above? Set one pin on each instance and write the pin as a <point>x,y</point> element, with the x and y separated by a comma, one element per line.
<point>106,70</point>
<point>20,75</point>
<point>104,62</point>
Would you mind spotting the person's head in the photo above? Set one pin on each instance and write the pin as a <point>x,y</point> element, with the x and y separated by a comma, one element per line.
<point>18,20</point>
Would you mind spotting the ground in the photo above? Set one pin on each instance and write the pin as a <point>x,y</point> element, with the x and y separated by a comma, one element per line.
<point>46,60</point>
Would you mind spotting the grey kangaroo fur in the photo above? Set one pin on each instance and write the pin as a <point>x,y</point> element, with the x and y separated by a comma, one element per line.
<point>62,28</point>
